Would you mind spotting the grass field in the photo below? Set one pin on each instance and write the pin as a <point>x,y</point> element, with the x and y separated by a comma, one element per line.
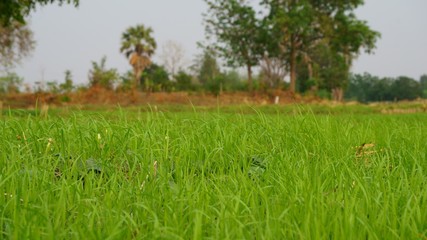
<point>238,173</point>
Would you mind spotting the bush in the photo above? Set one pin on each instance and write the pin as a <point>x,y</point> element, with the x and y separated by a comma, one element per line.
<point>100,76</point>
<point>10,83</point>
<point>184,82</point>
<point>156,78</point>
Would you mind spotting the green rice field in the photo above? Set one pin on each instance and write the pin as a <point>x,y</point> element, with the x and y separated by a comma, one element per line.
<point>220,173</point>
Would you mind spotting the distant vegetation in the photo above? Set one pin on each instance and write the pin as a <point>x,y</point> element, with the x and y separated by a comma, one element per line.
<point>302,47</point>
<point>368,88</point>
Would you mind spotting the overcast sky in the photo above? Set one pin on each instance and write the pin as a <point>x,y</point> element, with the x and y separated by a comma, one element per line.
<point>71,38</point>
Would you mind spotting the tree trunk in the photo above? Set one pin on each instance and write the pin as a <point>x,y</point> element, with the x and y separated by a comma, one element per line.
<point>309,63</point>
<point>250,84</point>
<point>293,68</point>
<point>137,76</point>
<point>310,70</point>
<point>337,94</point>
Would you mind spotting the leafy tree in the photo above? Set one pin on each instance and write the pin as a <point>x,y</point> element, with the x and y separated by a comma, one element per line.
<point>184,81</point>
<point>423,82</point>
<point>293,29</point>
<point>67,86</point>
<point>207,69</point>
<point>16,10</point>
<point>349,36</point>
<point>405,88</point>
<point>156,78</point>
<point>368,88</point>
<point>100,76</point>
<point>298,26</point>
<point>234,25</point>
<point>126,81</point>
<point>10,83</point>
<point>329,70</point>
<point>233,81</point>
<point>356,87</point>
<point>381,90</point>
<point>138,45</point>
<point>307,80</point>
<point>16,42</point>
<point>52,87</point>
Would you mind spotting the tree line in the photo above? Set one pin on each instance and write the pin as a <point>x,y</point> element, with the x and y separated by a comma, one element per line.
<point>367,88</point>
<point>311,42</point>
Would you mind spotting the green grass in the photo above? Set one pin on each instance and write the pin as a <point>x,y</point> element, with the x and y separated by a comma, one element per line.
<point>224,173</point>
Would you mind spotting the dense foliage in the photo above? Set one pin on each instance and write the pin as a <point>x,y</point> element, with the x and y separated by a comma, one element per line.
<point>16,42</point>
<point>291,31</point>
<point>10,83</point>
<point>368,88</point>
<point>17,10</point>
<point>101,76</point>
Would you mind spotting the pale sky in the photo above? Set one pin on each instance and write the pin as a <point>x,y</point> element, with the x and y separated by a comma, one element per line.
<point>71,38</point>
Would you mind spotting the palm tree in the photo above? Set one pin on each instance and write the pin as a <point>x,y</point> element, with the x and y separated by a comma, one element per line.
<point>138,45</point>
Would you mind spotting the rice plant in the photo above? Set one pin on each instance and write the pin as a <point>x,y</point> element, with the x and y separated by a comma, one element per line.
<point>253,174</point>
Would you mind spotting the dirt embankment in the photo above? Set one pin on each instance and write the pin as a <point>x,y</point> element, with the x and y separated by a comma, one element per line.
<point>104,97</point>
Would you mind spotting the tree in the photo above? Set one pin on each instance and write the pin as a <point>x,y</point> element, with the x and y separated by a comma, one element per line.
<point>126,81</point>
<point>16,10</point>
<point>67,86</point>
<point>234,25</point>
<point>405,88</point>
<point>16,42</point>
<point>155,78</point>
<point>208,69</point>
<point>368,88</point>
<point>138,45</point>
<point>358,84</point>
<point>10,83</point>
<point>332,71</point>
<point>233,81</point>
<point>293,28</point>
<point>52,87</point>
<point>172,57</point>
<point>100,76</point>
<point>298,26</point>
<point>184,81</point>
<point>349,36</point>
<point>423,82</point>
<point>321,67</point>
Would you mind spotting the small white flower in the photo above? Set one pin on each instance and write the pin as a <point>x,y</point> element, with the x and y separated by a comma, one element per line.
<point>99,137</point>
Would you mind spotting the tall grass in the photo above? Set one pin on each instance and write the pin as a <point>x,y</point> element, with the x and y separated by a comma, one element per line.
<point>219,175</point>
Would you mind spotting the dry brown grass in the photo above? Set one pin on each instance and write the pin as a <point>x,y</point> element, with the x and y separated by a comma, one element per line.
<point>99,96</point>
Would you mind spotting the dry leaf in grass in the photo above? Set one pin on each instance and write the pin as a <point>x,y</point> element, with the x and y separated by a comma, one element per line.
<point>364,151</point>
